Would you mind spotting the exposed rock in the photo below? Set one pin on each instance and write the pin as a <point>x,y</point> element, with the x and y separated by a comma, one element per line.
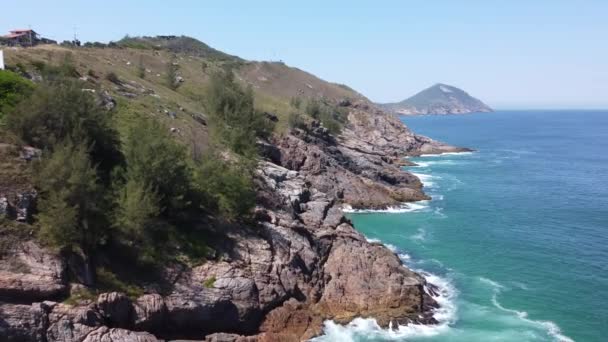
<point>106,100</point>
<point>72,323</point>
<point>30,273</point>
<point>116,309</point>
<point>29,153</point>
<point>302,263</point>
<point>4,208</point>
<point>24,204</point>
<point>23,322</point>
<point>149,312</point>
<point>105,334</point>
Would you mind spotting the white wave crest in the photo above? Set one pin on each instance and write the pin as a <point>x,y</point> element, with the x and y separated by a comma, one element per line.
<point>368,328</point>
<point>446,154</point>
<point>552,329</point>
<point>430,163</point>
<point>420,235</point>
<point>403,208</point>
<point>426,179</point>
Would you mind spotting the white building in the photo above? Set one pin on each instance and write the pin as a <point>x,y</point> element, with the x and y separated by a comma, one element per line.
<point>1,60</point>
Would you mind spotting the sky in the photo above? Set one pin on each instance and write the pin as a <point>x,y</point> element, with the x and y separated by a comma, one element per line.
<point>514,54</point>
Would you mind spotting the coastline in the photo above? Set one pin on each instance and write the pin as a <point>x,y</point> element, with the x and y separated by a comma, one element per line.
<point>362,331</point>
<point>304,261</point>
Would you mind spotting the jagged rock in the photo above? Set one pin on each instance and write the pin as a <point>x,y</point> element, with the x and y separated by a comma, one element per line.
<point>29,153</point>
<point>367,280</point>
<point>223,337</point>
<point>106,100</point>
<point>116,308</point>
<point>24,204</point>
<point>302,263</point>
<point>105,334</point>
<point>150,312</point>
<point>72,323</point>
<point>4,207</point>
<point>293,321</point>
<point>23,323</point>
<point>30,273</point>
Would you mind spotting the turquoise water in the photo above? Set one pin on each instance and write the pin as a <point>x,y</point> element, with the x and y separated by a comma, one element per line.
<point>516,234</point>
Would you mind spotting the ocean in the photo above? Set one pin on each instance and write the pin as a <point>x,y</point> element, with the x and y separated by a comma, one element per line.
<point>516,233</point>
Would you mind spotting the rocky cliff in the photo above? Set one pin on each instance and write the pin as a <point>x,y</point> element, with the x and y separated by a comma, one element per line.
<point>303,263</point>
<point>300,263</point>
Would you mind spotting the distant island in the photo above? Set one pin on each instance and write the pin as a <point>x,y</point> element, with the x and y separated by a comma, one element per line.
<point>439,99</point>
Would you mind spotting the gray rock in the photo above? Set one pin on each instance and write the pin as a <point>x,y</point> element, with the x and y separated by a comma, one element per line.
<point>116,309</point>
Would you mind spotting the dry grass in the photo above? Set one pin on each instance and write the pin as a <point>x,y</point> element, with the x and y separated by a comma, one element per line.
<point>274,84</point>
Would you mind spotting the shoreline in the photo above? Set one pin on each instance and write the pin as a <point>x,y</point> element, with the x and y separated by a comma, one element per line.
<point>446,313</point>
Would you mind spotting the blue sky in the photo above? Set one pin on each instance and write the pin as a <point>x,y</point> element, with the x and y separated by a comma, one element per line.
<point>511,54</point>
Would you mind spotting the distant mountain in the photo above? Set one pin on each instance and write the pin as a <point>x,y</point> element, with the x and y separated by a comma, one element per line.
<point>438,99</point>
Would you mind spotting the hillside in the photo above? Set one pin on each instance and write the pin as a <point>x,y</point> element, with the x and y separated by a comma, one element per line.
<point>204,200</point>
<point>438,99</point>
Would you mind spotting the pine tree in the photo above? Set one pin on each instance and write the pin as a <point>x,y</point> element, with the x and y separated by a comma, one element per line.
<point>71,210</point>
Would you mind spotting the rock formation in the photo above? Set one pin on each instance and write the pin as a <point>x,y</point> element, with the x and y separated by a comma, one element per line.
<point>302,264</point>
<point>438,99</point>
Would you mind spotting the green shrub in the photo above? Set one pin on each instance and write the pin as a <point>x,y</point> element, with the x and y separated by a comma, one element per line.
<point>209,282</point>
<point>137,209</point>
<point>295,120</point>
<point>234,120</point>
<point>85,294</point>
<point>227,188</point>
<point>171,74</point>
<point>60,111</point>
<point>108,281</point>
<point>13,88</point>
<point>71,214</point>
<point>66,69</point>
<point>154,158</point>
<point>330,116</point>
<point>141,68</point>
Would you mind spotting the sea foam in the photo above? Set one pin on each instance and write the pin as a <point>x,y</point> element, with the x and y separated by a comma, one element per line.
<point>552,329</point>
<point>446,154</point>
<point>403,208</point>
<point>426,179</point>
<point>368,328</point>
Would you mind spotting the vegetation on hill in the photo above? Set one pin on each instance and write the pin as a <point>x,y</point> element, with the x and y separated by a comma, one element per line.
<point>12,89</point>
<point>176,44</point>
<point>235,121</point>
<point>151,173</point>
<point>100,189</point>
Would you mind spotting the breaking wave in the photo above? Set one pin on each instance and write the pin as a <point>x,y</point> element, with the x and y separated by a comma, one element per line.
<point>403,208</point>
<point>443,292</point>
<point>426,179</point>
<point>552,329</point>
<point>368,328</point>
<point>446,154</point>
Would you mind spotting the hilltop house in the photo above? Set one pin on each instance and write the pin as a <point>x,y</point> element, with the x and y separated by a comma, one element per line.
<point>26,37</point>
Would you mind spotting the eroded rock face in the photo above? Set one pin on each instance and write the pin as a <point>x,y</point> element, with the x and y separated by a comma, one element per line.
<point>302,264</point>
<point>30,273</point>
